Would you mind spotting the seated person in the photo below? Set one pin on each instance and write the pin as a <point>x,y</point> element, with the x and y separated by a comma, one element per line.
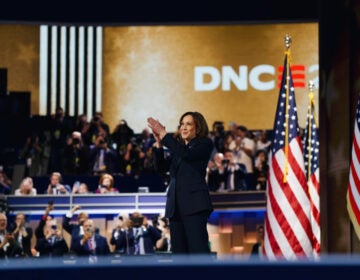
<point>55,186</point>
<point>26,187</point>
<point>80,188</point>
<point>106,184</point>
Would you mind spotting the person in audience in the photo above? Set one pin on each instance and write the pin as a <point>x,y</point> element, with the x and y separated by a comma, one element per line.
<point>142,236</point>
<point>9,247</point>
<point>106,184</point>
<point>22,234</point>
<point>215,173</point>
<point>121,137</point>
<point>234,173</point>
<point>60,130</point>
<point>52,244</point>
<point>134,158</point>
<point>74,229</point>
<point>102,158</point>
<point>218,136</point>
<point>82,125</point>
<point>80,188</point>
<point>263,143</point>
<point>119,235</point>
<point>90,243</point>
<point>26,187</point>
<point>35,155</point>
<point>245,151</point>
<point>5,183</point>
<point>257,248</point>
<point>56,187</point>
<point>261,169</point>
<point>97,127</point>
<point>77,155</point>
<point>44,221</point>
<point>164,243</point>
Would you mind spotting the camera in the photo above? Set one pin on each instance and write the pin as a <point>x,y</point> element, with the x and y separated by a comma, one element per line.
<point>76,141</point>
<point>225,161</point>
<point>54,227</point>
<point>101,142</point>
<point>96,119</point>
<point>137,221</point>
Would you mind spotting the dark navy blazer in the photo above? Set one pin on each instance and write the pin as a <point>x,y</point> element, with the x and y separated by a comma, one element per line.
<point>188,192</point>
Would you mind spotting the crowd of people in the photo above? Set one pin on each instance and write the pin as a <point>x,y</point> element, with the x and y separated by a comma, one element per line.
<point>87,148</point>
<point>235,159</point>
<point>132,234</point>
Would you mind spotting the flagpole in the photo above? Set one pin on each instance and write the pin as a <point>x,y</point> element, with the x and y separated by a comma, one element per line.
<point>311,104</point>
<point>287,53</point>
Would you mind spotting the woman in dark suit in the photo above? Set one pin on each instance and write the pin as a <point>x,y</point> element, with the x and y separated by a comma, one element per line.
<point>188,204</point>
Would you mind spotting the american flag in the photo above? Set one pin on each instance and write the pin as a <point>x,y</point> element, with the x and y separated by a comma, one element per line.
<point>353,192</point>
<point>311,159</point>
<point>288,232</point>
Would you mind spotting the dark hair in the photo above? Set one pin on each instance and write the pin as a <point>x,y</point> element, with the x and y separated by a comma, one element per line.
<point>202,129</point>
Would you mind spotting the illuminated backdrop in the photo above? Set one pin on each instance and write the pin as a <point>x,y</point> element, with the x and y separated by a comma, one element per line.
<point>227,72</point>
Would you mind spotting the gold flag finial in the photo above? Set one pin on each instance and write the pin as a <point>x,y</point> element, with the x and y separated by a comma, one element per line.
<point>311,86</point>
<point>287,41</point>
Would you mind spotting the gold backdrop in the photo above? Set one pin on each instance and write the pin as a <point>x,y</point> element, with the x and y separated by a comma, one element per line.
<point>149,71</point>
<point>19,53</point>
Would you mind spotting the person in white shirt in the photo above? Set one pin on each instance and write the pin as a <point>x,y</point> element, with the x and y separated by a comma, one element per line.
<point>26,187</point>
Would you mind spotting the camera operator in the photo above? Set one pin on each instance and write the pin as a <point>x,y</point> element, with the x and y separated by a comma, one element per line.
<point>103,159</point>
<point>97,126</point>
<point>134,157</point>
<point>76,156</point>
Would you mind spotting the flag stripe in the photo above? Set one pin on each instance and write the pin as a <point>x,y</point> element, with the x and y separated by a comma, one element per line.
<point>288,232</point>
<point>352,196</point>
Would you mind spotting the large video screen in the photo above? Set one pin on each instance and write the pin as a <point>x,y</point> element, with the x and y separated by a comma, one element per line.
<point>230,73</point>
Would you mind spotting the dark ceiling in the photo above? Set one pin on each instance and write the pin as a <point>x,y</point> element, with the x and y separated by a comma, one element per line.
<point>152,12</point>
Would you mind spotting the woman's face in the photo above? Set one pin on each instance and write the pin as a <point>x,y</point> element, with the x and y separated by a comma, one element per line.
<point>187,128</point>
<point>106,182</point>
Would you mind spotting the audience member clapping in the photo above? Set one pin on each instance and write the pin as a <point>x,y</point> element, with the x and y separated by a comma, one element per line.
<point>9,247</point>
